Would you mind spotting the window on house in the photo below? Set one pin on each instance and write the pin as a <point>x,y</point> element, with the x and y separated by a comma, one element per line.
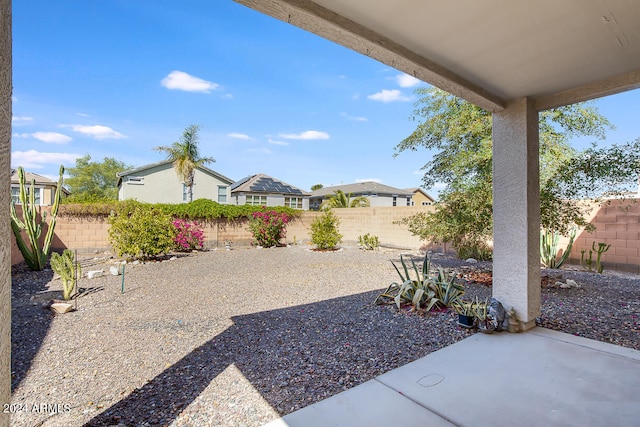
<point>15,195</point>
<point>184,192</point>
<point>255,200</point>
<point>426,203</point>
<point>409,201</point>
<point>222,194</point>
<point>135,180</point>
<point>395,201</point>
<point>293,202</point>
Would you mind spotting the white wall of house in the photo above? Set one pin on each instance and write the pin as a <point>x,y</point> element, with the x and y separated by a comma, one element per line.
<point>161,184</point>
<point>383,200</point>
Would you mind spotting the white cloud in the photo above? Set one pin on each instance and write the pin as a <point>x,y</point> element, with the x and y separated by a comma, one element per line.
<point>260,150</point>
<point>48,137</point>
<point>83,114</point>
<point>387,95</point>
<point>354,118</point>
<point>239,136</point>
<point>97,131</point>
<point>405,80</point>
<point>306,135</point>
<point>179,80</point>
<point>33,159</point>
<point>18,120</point>
<point>359,180</point>
<point>274,142</point>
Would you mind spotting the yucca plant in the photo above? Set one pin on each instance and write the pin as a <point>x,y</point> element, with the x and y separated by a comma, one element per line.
<point>34,254</point>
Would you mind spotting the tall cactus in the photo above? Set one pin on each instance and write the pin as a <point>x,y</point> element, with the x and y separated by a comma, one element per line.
<point>34,255</point>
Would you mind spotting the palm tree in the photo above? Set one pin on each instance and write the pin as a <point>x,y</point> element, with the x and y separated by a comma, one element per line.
<point>342,200</point>
<point>186,157</point>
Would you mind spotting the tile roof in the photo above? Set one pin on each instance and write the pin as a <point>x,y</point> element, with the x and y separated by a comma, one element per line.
<point>261,183</point>
<point>361,188</point>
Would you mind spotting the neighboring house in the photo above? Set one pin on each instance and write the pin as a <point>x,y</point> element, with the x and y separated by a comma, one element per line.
<point>45,188</point>
<point>420,197</point>
<point>378,194</point>
<point>263,190</point>
<point>159,183</point>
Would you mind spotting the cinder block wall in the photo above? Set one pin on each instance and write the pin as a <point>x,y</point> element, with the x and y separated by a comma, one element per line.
<point>617,224</point>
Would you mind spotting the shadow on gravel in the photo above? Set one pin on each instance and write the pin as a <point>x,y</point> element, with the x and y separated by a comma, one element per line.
<point>293,357</point>
<point>29,320</point>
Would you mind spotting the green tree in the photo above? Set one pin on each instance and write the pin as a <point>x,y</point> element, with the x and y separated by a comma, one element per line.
<point>316,187</point>
<point>342,200</point>
<point>94,181</point>
<point>186,158</point>
<point>460,135</point>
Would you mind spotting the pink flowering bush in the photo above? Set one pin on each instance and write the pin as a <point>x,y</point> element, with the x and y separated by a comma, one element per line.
<point>189,235</point>
<point>268,228</point>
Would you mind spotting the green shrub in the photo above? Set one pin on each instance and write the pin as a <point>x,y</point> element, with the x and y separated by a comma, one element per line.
<point>324,231</point>
<point>143,234</point>
<point>369,242</point>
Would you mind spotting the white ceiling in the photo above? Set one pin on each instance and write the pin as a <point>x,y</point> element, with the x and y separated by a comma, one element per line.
<point>489,51</point>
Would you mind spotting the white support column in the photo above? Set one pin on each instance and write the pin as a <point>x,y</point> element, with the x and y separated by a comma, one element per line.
<point>5,230</point>
<point>516,210</point>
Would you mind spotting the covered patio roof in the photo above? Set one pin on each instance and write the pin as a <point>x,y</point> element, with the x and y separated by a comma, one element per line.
<point>489,52</point>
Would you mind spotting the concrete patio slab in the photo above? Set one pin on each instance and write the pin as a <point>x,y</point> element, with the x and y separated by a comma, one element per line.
<point>540,377</point>
<point>366,405</point>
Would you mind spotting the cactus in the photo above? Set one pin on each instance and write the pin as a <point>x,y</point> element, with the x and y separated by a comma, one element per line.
<point>65,266</point>
<point>602,248</point>
<point>34,255</point>
<point>549,248</point>
<point>586,263</point>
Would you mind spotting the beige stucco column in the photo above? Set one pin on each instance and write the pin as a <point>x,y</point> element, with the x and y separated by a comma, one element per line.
<point>5,183</point>
<point>516,210</point>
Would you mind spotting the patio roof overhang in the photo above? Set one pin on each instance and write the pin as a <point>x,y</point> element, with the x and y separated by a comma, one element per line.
<point>491,52</point>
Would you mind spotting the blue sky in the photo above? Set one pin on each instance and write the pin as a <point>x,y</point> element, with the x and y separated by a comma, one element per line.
<point>117,78</point>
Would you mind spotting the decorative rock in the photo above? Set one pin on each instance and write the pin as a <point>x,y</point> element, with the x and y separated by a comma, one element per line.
<point>471,260</point>
<point>569,285</point>
<point>61,307</point>
<point>115,271</point>
<point>498,315</point>
<point>94,273</point>
<point>173,258</point>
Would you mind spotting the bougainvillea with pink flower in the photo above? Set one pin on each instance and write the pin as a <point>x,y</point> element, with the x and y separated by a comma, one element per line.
<point>189,235</point>
<point>268,228</point>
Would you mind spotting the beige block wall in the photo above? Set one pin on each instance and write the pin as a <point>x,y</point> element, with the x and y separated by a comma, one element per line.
<point>618,224</point>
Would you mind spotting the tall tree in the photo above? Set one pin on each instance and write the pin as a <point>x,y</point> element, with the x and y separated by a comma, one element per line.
<point>459,133</point>
<point>186,158</point>
<point>316,187</point>
<point>94,181</point>
<point>342,200</point>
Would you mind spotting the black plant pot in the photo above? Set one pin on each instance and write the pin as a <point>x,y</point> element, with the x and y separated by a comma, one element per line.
<point>465,321</point>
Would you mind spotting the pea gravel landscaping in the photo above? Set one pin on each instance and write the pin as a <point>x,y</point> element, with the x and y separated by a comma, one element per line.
<point>241,337</point>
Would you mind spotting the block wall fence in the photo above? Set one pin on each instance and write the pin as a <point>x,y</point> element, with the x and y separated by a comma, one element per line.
<point>617,223</point>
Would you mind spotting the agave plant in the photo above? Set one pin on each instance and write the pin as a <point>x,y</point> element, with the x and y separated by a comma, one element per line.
<point>424,292</point>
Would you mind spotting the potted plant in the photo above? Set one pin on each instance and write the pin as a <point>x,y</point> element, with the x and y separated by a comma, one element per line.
<point>466,315</point>
<point>481,312</point>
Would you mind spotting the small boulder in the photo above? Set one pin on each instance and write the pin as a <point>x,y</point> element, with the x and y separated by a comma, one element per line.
<point>61,307</point>
<point>471,260</point>
<point>115,271</point>
<point>92,274</point>
<point>498,315</point>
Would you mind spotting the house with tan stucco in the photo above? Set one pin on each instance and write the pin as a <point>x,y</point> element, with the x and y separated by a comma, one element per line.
<point>159,183</point>
<point>420,197</point>
<point>44,188</point>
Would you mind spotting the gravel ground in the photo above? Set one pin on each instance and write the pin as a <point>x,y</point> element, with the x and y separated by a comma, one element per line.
<point>241,337</point>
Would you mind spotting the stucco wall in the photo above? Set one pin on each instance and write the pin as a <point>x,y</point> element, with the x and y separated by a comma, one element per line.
<point>162,185</point>
<point>5,183</point>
